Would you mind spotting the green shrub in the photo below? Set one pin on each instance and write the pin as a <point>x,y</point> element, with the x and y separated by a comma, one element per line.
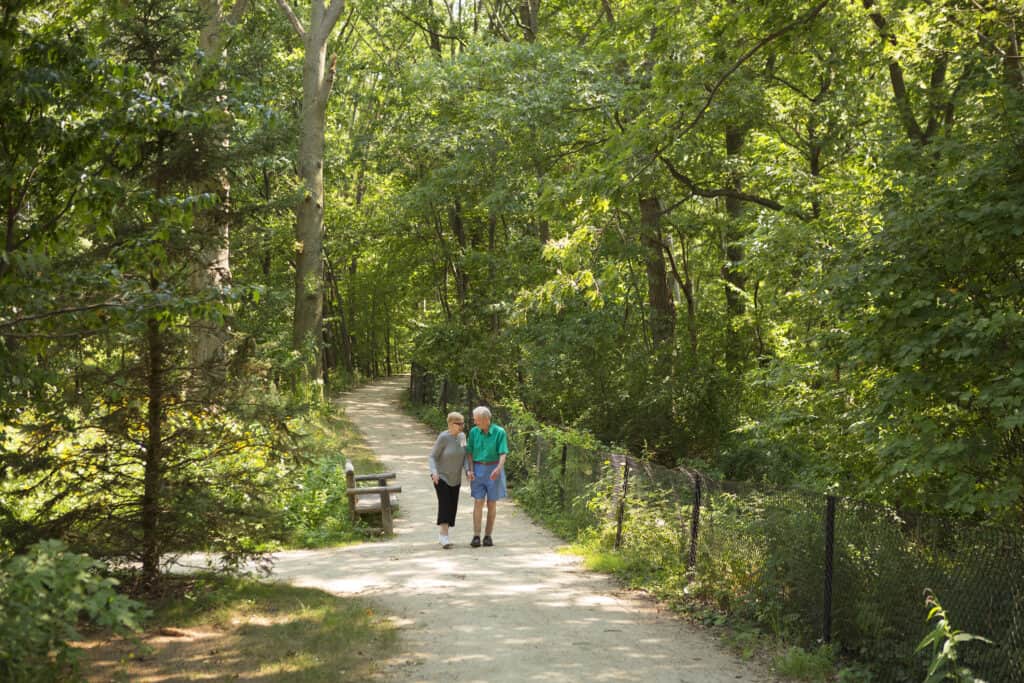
<point>316,513</point>
<point>44,595</point>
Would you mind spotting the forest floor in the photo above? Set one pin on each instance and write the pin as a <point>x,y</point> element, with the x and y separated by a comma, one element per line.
<point>519,611</point>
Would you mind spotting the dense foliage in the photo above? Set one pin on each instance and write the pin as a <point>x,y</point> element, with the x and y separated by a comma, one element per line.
<point>150,392</point>
<point>778,242</point>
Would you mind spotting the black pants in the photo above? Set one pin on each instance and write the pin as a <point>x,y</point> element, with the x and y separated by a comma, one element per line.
<point>447,502</point>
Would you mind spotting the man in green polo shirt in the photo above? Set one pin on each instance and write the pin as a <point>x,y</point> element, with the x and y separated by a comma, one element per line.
<point>487,445</point>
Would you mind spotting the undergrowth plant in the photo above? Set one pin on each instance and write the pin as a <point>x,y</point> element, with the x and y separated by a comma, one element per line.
<point>944,640</point>
<point>45,596</point>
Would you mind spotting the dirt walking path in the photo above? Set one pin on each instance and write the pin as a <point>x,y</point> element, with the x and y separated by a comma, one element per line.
<point>516,612</point>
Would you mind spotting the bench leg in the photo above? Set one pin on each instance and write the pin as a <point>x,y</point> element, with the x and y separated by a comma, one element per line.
<point>385,513</point>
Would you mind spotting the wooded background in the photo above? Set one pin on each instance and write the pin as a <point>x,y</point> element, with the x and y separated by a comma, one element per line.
<point>776,241</point>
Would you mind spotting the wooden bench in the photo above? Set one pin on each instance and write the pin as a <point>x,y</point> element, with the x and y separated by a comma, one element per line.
<point>369,500</point>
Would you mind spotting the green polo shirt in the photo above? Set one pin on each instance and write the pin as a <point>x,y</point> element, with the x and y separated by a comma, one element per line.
<point>487,447</point>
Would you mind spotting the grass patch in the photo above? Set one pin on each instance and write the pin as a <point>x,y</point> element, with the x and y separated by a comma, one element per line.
<point>605,562</point>
<point>801,665</point>
<point>429,415</point>
<point>314,505</point>
<point>208,627</point>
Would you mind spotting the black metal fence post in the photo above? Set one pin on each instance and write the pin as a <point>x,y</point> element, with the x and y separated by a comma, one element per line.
<point>561,481</point>
<point>830,538</point>
<point>622,504</point>
<point>691,560</point>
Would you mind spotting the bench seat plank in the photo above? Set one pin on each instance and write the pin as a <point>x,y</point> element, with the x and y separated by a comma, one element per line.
<point>369,505</point>
<point>373,477</point>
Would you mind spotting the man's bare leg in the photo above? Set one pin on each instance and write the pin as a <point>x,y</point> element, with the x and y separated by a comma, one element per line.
<point>478,515</point>
<point>492,510</point>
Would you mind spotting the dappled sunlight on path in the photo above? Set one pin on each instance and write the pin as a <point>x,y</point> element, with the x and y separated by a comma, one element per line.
<point>519,611</point>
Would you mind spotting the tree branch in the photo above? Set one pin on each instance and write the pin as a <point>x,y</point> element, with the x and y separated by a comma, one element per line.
<point>63,311</point>
<point>745,57</point>
<point>426,29</point>
<point>328,83</point>
<point>937,83</point>
<point>294,20</point>
<point>50,224</point>
<point>331,17</point>
<point>899,86</point>
<point>695,189</point>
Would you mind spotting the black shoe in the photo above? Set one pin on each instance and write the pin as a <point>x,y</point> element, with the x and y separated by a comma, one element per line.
<point>476,541</point>
<point>488,541</point>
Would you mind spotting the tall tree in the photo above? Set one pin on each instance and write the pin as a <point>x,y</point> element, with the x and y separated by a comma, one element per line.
<point>317,81</point>
<point>213,267</point>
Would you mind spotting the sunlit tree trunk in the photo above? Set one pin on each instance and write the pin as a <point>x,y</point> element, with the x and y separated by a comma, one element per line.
<point>317,80</point>
<point>213,267</point>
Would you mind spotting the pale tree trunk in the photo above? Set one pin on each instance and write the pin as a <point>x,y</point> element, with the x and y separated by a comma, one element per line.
<point>317,79</point>
<point>684,286</point>
<point>309,215</point>
<point>213,267</point>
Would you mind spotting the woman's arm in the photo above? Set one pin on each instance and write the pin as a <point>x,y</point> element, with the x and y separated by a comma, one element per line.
<point>435,452</point>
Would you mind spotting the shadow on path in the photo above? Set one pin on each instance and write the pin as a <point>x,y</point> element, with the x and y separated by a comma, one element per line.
<point>516,612</point>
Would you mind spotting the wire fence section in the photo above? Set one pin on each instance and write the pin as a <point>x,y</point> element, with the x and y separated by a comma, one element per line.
<point>824,569</point>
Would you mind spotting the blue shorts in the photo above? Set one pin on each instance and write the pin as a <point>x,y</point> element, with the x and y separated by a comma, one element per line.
<point>482,487</point>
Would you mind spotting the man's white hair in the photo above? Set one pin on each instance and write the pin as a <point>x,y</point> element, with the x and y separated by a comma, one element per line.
<point>482,411</point>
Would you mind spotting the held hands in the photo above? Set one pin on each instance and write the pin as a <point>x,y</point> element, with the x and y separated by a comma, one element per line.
<point>470,475</point>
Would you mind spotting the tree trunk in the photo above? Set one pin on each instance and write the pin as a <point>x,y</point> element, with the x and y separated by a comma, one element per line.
<point>11,239</point>
<point>153,465</point>
<point>528,18</point>
<point>309,224</point>
<point>735,281</point>
<point>387,345</point>
<point>606,10</point>
<point>459,230</point>
<point>213,266</point>
<point>317,80</point>
<point>685,283</point>
<point>492,270</point>
<point>338,330</point>
<point>659,294</point>
<point>1013,67</point>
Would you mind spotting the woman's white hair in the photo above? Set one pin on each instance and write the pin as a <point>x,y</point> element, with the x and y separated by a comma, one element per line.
<point>482,411</point>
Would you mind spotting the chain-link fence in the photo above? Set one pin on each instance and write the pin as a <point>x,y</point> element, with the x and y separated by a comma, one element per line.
<point>819,568</point>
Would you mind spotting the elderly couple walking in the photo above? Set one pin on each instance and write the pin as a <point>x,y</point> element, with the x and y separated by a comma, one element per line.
<point>481,455</point>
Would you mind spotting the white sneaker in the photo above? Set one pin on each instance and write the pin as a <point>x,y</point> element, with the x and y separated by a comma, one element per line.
<point>446,542</point>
